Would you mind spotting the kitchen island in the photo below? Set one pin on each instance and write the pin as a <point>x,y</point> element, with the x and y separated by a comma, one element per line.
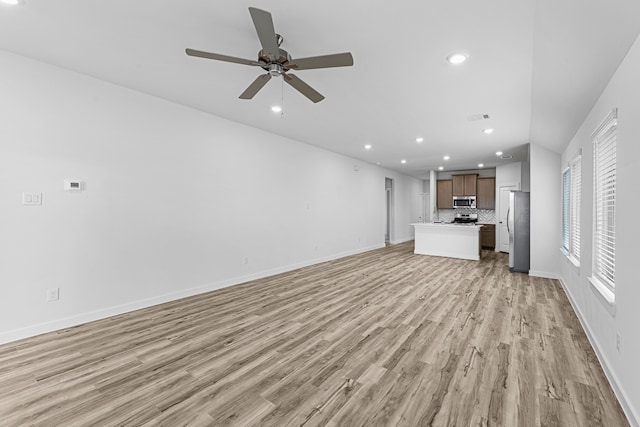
<point>448,240</point>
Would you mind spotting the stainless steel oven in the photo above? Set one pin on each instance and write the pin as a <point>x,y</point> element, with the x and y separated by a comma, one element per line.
<point>464,202</point>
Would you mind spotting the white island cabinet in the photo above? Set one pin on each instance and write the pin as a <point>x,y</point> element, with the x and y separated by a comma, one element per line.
<point>449,240</point>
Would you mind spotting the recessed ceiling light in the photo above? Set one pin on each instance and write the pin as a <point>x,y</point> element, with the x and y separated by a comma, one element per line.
<point>498,153</point>
<point>440,168</point>
<point>488,131</point>
<point>419,139</point>
<point>276,108</point>
<point>367,147</point>
<point>403,161</point>
<point>457,58</point>
<point>446,157</point>
<point>480,165</point>
<point>13,2</point>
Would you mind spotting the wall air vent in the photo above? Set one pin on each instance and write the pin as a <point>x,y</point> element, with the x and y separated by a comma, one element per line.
<point>506,157</point>
<point>476,117</point>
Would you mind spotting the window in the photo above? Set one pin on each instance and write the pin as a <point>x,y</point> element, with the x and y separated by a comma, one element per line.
<point>571,188</point>
<point>604,202</point>
<point>576,187</point>
<point>566,197</point>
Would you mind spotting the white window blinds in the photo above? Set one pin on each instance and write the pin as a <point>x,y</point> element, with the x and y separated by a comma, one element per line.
<point>576,188</point>
<point>566,197</point>
<point>604,198</point>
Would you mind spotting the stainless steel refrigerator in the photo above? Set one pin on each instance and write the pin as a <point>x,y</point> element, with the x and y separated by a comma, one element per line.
<point>519,231</point>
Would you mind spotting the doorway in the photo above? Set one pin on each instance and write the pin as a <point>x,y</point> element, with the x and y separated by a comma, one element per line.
<point>388,187</point>
<point>503,209</point>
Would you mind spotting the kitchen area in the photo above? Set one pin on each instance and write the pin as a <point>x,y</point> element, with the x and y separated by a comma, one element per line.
<point>470,213</point>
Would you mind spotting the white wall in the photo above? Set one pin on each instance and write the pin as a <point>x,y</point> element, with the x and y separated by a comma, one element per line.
<point>602,321</point>
<point>509,174</point>
<point>425,202</point>
<point>174,200</point>
<point>407,202</point>
<point>545,211</point>
<point>526,172</point>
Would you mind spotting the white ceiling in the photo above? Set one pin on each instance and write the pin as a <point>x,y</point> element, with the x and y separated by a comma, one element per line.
<point>536,67</point>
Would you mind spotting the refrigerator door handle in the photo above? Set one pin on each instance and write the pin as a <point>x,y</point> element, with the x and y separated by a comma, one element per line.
<point>508,212</point>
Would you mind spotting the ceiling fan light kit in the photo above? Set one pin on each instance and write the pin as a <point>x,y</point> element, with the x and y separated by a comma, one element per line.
<point>275,69</point>
<point>276,61</point>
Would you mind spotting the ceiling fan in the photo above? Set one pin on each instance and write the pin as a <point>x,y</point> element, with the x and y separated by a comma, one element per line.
<point>277,62</point>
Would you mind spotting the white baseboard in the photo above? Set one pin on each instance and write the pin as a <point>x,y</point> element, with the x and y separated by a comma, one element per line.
<point>453,254</point>
<point>67,322</point>
<point>544,274</point>
<point>627,407</point>
<point>406,239</point>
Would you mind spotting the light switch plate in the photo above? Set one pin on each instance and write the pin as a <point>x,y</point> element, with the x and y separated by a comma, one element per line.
<point>53,294</point>
<point>32,199</point>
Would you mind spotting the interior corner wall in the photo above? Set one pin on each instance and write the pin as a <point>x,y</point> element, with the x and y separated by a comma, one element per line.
<point>407,193</point>
<point>526,172</point>
<point>545,211</point>
<point>509,174</point>
<point>176,201</point>
<point>425,211</point>
<point>602,322</point>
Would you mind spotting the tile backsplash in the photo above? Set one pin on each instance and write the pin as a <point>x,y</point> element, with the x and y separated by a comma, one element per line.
<point>485,216</point>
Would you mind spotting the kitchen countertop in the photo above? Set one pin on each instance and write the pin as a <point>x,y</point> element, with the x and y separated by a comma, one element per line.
<point>447,224</point>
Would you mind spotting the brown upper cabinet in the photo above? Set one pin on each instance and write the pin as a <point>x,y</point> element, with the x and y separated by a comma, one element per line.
<point>486,197</point>
<point>464,185</point>
<point>444,194</point>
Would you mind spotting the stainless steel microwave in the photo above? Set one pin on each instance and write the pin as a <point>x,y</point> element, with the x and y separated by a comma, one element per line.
<point>464,202</point>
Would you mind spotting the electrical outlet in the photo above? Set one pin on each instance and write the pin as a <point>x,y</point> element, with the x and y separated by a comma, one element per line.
<point>245,260</point>
<point>53,294</point>
<point>618,339</point>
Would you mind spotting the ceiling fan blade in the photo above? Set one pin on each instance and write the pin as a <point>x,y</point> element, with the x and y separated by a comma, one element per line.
<point>325,61</point>
<point>266,33</point>
<point>254,87</point>
<point>302,87</point>
<point>219,57</point>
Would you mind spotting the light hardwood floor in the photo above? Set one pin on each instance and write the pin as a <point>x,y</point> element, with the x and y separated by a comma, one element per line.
<point>381,338</point>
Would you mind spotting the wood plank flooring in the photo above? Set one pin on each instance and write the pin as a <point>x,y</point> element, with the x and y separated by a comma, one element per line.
<point>381,338</point>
